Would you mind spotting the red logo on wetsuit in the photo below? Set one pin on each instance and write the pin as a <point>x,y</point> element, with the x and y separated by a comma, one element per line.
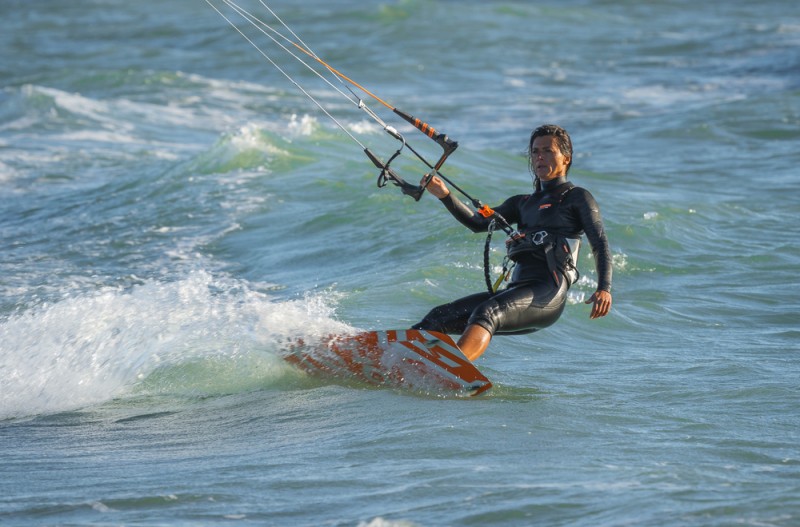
<point>545,206</point>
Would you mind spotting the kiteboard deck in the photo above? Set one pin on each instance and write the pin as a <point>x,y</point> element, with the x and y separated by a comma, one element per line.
<point>415,360</point>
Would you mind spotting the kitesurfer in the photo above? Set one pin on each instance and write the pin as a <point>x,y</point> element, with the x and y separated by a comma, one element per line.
<point>550,224</point>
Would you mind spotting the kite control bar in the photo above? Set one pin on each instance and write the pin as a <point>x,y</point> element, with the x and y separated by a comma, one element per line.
<point>387,175</point>
<point>448,145</point>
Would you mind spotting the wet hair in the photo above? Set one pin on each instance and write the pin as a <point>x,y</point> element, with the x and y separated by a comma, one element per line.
<point>562,140</point>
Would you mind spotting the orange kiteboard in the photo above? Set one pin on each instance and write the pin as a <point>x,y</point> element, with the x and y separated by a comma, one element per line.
<point>410,359</point>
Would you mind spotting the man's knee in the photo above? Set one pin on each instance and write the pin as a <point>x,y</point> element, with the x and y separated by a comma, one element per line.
<point>488,316</point>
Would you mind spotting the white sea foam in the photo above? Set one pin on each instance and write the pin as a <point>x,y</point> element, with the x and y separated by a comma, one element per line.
<point>383,522</point>
<point>90,349</point>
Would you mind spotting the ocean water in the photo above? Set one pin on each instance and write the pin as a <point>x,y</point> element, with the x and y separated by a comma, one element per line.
<point>173,210</point>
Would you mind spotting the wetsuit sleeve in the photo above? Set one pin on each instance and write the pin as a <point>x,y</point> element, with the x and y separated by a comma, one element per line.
<point>464,214</point>
<point>592,222</point>
<point>470,218</point>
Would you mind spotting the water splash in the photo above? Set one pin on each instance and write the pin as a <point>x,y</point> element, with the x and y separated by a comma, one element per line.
<point>201,334</point>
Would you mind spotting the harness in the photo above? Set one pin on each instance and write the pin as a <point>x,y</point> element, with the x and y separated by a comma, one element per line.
<point>558,250</point>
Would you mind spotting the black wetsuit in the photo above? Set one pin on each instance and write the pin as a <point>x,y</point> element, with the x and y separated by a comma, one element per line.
<point>533,299</point>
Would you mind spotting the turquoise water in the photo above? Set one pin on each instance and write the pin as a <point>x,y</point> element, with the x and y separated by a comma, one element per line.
<point>172,210</point>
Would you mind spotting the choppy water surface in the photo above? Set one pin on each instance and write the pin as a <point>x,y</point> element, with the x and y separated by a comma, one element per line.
<point>173,210</point>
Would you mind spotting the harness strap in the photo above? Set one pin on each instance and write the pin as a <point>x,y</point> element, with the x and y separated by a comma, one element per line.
<point>552,264</point>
